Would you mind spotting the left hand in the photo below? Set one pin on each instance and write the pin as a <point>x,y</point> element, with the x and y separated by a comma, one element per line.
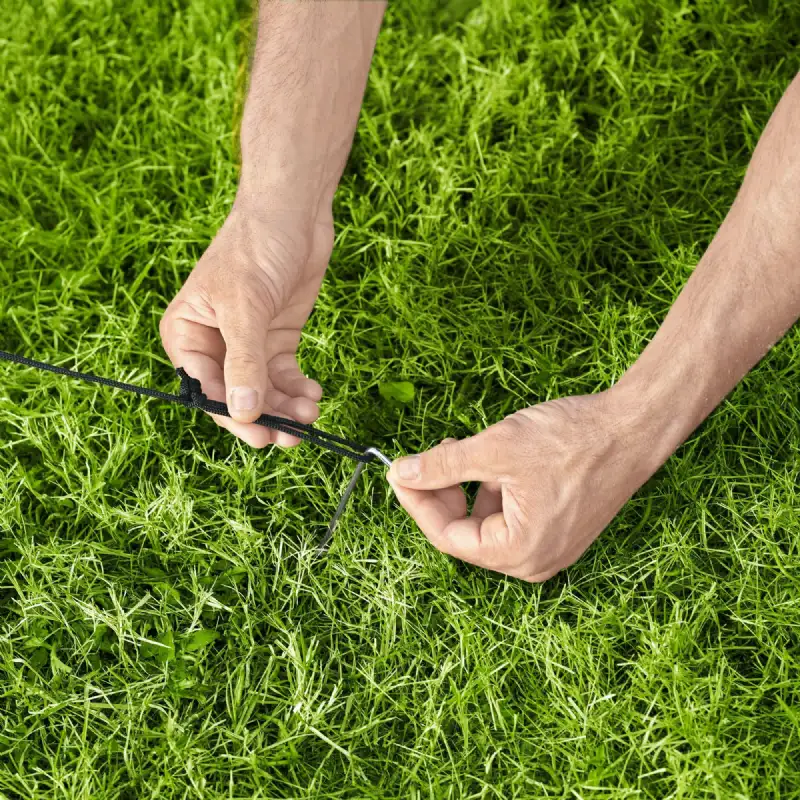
<point>236,323</point>
<point>552,477</point>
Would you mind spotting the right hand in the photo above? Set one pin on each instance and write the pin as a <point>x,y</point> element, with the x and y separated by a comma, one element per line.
<point>553,476</point>
<point>235,324</point>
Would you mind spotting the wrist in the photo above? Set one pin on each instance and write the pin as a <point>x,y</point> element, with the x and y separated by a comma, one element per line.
<point>655,415</point>
<point>674,385</point>
<point>275,238</point>
<point>276,201</point>
<point>282,192</point>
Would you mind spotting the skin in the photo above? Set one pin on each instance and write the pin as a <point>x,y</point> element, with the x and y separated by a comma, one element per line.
<point>553,475</point>
<point>236,323</point>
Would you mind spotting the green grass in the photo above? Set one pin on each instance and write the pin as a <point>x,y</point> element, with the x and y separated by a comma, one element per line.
<point>531,185</point>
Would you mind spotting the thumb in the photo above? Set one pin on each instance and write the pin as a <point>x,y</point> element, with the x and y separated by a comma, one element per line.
<point>244,329</point>
<point>451,462</point>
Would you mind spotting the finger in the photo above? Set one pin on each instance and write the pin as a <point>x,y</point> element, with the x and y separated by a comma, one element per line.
<point>482,541</point>
<point>451,502</point>
<point>300,409</point>
<point>286,375</point>
<point>197,348</point>
<point>181,336</point>
<point>300,386</point>
<point>243,324</point>
<point>209,372</point>
<point>489,499</point>
<point>200,350</point>
<point>433,511</point>
<point>477,458</point>
<point>454,501</point>
<point>479,541</point>
<point>295,384</point>
<point>213,386</point>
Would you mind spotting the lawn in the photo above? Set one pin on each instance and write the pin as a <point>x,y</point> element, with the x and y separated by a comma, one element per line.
<point>531,185</point>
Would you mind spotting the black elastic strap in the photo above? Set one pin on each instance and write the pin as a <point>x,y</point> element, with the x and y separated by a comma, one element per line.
<point>191,396</point>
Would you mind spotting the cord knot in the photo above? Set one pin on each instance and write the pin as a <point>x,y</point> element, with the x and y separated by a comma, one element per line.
<point>191,391</point>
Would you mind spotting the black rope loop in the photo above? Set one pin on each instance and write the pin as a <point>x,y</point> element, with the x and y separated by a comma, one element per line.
<point>191,392</point>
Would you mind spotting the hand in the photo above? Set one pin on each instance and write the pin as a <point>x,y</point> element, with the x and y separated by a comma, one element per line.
<point>553,476</point>
<point>235,324</point>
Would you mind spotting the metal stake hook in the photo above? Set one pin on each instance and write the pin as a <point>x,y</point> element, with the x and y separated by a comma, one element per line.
<point>380,456</point>
<point>323,545</point>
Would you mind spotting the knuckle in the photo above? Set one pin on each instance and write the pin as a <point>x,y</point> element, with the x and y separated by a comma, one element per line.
<point>164,325</point>
<point>168,330</point>
<point>515,424</point>
<point>178,329</point>
<point>514,562</point>
<point>448,458</point>
<point>243,360</point>
<point>441,543</point>
<point>519,561</point>
<point>541,576</point>
<point>512,432</point>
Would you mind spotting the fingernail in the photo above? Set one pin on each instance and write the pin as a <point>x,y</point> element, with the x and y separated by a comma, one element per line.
<point>408,468</point>
<point>243,398</point>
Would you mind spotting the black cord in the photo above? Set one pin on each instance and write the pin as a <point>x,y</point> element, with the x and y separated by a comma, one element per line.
<point>191,396</point>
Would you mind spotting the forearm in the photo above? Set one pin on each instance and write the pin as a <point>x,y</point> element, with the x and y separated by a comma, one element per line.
<point>742,297</point>
<point>306,85</point>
